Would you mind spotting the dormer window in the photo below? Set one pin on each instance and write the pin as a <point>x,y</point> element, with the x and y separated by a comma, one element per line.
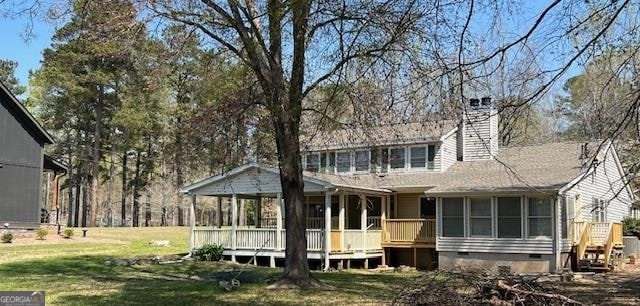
<point>313,162</point>
<point>362,160</point>
<point>343,162</point>
<point>397,158</point>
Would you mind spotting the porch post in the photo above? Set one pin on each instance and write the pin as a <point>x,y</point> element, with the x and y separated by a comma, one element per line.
<point>219,212</point>
<point>383,217</point>
<point>327,229</point>
<point>234,226</point>
<point>192,223</point>
<point>363,221</point>
<point>279,222</point>
<point>258,212</point>
<point>341,220</point>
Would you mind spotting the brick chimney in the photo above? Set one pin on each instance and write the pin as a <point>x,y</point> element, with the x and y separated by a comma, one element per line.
<point>479,130</point>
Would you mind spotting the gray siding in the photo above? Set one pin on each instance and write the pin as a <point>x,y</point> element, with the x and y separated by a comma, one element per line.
<point>21,173</point>
<point>604,183</point>
<point>448,149</point>
<point>480,132</point>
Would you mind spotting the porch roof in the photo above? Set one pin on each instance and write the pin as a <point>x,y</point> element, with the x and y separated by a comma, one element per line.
<point>257,179</point>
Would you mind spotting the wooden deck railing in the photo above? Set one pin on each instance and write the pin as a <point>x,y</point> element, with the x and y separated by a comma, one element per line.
<point>597,234</point>
<point>409,231</point>
<point>265,238</point>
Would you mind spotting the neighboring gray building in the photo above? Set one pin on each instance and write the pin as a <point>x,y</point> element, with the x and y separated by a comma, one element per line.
<point>22,141</point>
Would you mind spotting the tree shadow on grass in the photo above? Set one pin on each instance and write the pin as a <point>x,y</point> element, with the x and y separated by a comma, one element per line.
<point>88,280</point>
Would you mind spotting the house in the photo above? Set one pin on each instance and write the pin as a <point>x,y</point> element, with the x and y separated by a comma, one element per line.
<point>22,161</point>
<point>437,194</point>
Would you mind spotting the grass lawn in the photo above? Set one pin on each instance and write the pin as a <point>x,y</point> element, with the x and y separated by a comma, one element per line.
<point>74,272</point>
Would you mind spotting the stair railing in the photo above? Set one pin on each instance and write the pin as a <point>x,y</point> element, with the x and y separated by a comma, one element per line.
<point>585,239</point>
<point>608,247</point>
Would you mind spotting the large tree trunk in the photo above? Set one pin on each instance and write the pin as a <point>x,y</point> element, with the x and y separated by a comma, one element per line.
<point>136,193</point>
<point>76,211</point>
<point>123,207</point>
<point>178,167</point>
<point>95,160</point>
<point>85,206</point>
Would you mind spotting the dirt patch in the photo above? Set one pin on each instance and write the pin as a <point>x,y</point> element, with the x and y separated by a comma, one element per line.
<point>620,287</point>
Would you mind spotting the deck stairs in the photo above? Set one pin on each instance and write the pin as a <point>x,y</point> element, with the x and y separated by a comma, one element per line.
<point>598,247</point>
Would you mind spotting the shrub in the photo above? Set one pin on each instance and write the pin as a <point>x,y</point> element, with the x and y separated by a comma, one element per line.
<point>209,252</point>
<point>631,227</point>
<point>41,233</point>
<point>68,233</point>
<point>7,237</point>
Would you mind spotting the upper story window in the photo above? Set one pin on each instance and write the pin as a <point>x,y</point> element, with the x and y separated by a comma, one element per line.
<point>397,158</point>
<point>313,162</point>
<point>362,160</point>
<point>423,157</point>
<point>343,162</point>
<point>323,162</point>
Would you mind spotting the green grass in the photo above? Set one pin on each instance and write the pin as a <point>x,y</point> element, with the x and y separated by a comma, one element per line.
<point>75,273</point>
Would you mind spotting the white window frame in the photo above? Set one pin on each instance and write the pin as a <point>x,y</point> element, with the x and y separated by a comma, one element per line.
<point>426,153</point>
<point>435,153</point>
<point>350,162</point>
<point>497,222</point>
<point>470,217</point>
<point>529,217</point>
<point>391,169</point>
<point>442,217</point>
<point>355,159</point>
<point>306,161</point>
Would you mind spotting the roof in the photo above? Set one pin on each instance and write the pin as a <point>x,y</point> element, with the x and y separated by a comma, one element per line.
<point>22,114</point>
<point>381,135</point>
<point>51,164</point>
<point>543,167</point>
<point>327,181</point>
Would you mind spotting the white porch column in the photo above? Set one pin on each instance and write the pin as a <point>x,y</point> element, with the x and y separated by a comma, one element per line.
<point>192,223</point>
<point>327,229</point>
<point>279,222</point>
<point>341,219</point>
<point>383,226</point>
<point>363,220</point>
<point>234,225</point>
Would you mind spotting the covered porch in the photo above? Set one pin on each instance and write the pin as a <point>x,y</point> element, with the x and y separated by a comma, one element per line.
<point>344,223</point>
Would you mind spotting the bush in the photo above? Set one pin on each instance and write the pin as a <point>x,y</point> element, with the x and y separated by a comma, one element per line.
<point>7,237</point>
<point>631,227</point>
<point>68,233</point>
<point>209,252</point>
<point>41,233</point>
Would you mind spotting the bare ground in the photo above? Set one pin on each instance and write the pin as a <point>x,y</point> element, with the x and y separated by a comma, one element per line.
<point>620,287</point>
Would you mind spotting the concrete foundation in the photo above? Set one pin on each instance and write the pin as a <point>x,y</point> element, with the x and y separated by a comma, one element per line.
<point>518,263</point>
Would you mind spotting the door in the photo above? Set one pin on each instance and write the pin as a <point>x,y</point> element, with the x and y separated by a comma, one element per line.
<point>427,208</point>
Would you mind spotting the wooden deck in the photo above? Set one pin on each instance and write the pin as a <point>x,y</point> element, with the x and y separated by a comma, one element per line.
<point>409,233</point>
<point>595,238</point>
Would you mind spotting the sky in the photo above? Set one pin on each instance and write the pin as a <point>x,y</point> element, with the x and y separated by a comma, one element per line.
<point>27,52</point>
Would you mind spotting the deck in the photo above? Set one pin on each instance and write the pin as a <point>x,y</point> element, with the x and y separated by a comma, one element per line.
<point>409,233</point>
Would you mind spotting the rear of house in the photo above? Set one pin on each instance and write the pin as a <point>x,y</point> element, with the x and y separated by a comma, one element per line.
<point>439,195</point>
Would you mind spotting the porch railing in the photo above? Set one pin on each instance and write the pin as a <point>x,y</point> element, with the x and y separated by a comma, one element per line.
<point>409,231</point>
<point>266,238</point>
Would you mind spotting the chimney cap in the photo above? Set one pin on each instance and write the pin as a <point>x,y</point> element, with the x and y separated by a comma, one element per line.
<point>486,101</point>
<point>474,102</point>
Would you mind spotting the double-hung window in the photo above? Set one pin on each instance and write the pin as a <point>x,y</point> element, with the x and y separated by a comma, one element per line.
<point>323,162</point>
<point>418,157</point>
<point>313,162</point>
<point>343,162</point>
<point>452,217</point>
<point>509,217</point>
<point>331,166</point>
<point>362,160</point>
<point>480,217</point>
<point>539,217</point>
<point>598,210</point>
<point>431,156</point>
<point>397,158</point>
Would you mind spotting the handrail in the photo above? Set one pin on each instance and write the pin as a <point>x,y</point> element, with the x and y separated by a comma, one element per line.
<point>608,247</point>
<point>584,240</point>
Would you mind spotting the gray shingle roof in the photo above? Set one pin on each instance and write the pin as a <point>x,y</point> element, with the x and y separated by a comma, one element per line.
<point>378,135</point>
<point>540,167</point>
